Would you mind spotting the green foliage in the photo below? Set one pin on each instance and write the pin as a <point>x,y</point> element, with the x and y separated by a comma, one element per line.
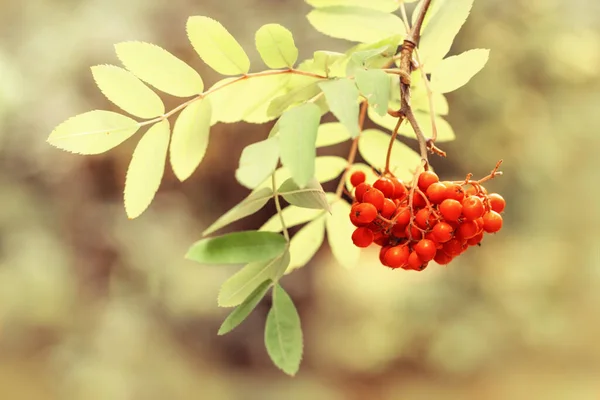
<point>297,99</point>
<point>283,333</point>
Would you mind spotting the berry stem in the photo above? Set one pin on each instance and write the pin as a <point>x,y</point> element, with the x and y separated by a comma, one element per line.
<point>352,154</point>
<point>286,234</point>
<point>391,145</point>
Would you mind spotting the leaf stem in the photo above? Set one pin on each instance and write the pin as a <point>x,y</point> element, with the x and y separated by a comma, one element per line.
<point>353,150</point>
<point>286,234</point>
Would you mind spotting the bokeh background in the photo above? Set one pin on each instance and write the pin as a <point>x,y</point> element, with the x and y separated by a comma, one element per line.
<point>96,307</point>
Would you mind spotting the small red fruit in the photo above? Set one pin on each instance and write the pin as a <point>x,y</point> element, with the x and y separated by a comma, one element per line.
<point>415,262</point>
<point>450,209</point>
<point>399,188</point>
<point>402,216</point>
<point>418,201</point>
<point>426,179</point>
<point>382,252</point>
<point>472,208</point>
<point>437,192</point>
<point>454,191</point>
<point>413,232</point>
<point>467,230</point>
<point>442,232</point>
<point>363,214</point>
<point>362,237</point>
<point>492,222</point>
<point>453,247</point>
<point>497,202</point>
<point>357,178</point>
<point>475,240</point>
<point>396,257</point>
<point>386,186</point>
<point>424,218</point>
<point>375,197</point>
<point>389,207</point>
<point>426,249</point>
<point>442,258</point>
<point>360,191</point>
<point>399,231</point>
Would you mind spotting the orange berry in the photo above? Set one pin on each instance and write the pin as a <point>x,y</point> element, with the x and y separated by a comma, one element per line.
<point>382,252</point>
<point>426,179</point>
<point>424,218</point>
<point>442,258</point>
<point>413,232</point>
<point>399,231</point>
<point>386,186</point>
<point>492,222</point>
<point>402,216</point>
<point>396,257</point>
<point>442,232</point>
<point>362,237</point>
<point>472,208</point>
<point>454,191</point>
<point>418,201</point>
<point>389,207</point>
<point>436,193</point>
<point>450,209</point>
<point>399,188</point>
<point>497,202</point>
<point>363,214</point>
<point>375,197</point>
<point>360,191</point>
<point>467,230</point>
<point>475,240</point>
<point>426,249</point>
<point>415,262</point>
<point>453,247</point>
<point>357,178</point>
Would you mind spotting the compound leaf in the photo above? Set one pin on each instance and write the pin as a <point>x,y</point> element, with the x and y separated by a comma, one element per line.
<point>456,71</point>
<point>329,167</point>
<point>146,169</point>
<point>305,244</point>
<point>339,231</point>
<point>342,97</point>
<point>237,248</point>
<point>311,196</point>
<point>241,285</point>
<point>292,216</point>
<point>159,68</point>
<point>444,130</point>
<point>356,24</point>
<point>331,133</point>
<point>257,162</point>
<point>374,84</point>
<point>190,138</point>
<point>126,91</point>
<point>283,333</point>
<point>297,133</point>
<point>251,204</point>
<point>276,46</point>
<point>93,132</point>
<point>242,311</point>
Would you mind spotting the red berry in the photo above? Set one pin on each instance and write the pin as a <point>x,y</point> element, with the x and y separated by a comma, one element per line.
<point>479,222</point>
<point>492,222</point>
<point>418,201</point>
<point>375,197</point>
<point>382,252</point>
<point>454,191</point>
<point>357,178</point>
<point>442,258</point>
<point>413,232</point>
<point>415,262</point>
<point>396,256</point>
<point>497,202</point>
<point>467,230</point>
<point>386,186</point>
<point>363,214</point>
<point>424,218</point>
<point>362,237</point>
<point>472,208</point>
<point>450,209</point>
<point>426,179</point>
<point>429,236</point>
<point>360,191</point>
<point>437,192</point>
<point>399,231</point>
<point>426,249</point>
<point>389,207</point>
<point>442,232</point>
<point>402,216</point>
<point>475,240</point>
<point>399,188</point>
<point>453,247</point>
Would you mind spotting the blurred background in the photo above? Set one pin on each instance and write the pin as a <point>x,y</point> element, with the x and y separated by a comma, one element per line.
<point>96,307</point>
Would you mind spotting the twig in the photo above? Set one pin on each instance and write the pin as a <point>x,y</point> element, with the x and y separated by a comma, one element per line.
<point>391,145</point>
<point>286,234</point>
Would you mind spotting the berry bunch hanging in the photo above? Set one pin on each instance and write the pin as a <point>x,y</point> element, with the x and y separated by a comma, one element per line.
<point>430,220</point>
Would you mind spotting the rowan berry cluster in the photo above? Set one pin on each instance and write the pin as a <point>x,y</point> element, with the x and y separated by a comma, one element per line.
<point>433,221</point>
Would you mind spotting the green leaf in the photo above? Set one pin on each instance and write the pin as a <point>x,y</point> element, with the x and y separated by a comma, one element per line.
<point>216,46</point>
<point>438,35</point>
<point>241,285</point>
<point>283,333</point>
<point>247,99</point>
<point>126,91</point>
<point>298,90</point>
<point>237,248</point>
<point>311,196</point>
<point>159,68</point>
<point>329,167</point>
<point>374,55</point>
<point>373,145</point>
<point>293,216</point>
<point>190,138</point>
<point>328,63</point>
<point>146,169</point>
<point>342,97</point>
<point>251,204</point>
<point>297,133</point>
<point>93,132</point>
<point>331,133</point>
<point>444,130</point>
<point>356,24</point>
<point>454,72</point>
<point>305,244</point>
<point>276,46</point>
<point>420,101</point>
<point>258,162</point>
<point>242,311</point>
<point>339,234</point>
<point>381,5</point>
<point>374,84</point>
